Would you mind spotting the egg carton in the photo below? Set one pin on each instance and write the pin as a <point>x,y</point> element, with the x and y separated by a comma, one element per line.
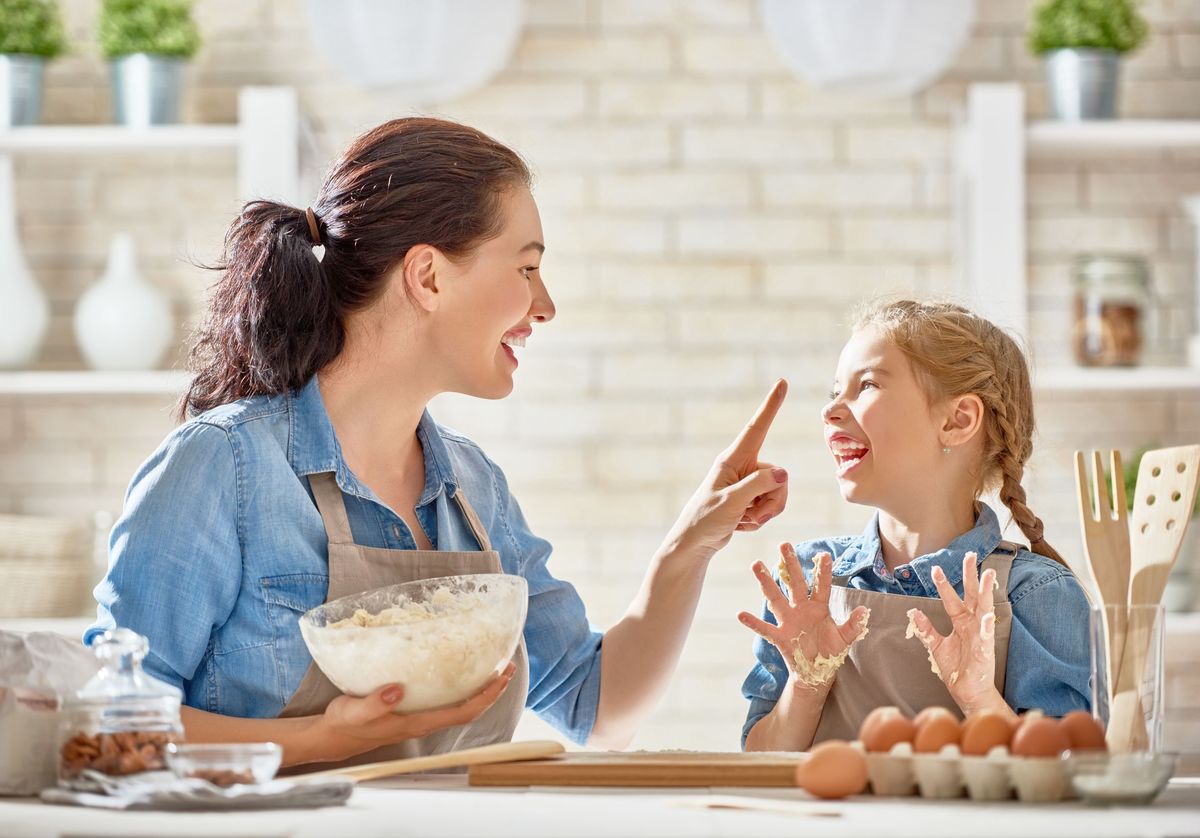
<point>949,774</point>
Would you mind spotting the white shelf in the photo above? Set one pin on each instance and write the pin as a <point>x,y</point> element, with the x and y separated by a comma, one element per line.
<point>89,383</point>
<point>91,138</point>
<point>1112,135</point>
<point>1119,379</point>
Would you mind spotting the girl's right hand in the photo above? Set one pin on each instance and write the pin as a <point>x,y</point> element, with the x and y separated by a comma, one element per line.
<point>351,726</point>
<point>812,644</point>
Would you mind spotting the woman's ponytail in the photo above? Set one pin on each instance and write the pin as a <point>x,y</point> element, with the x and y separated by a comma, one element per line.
<point>273,320</point>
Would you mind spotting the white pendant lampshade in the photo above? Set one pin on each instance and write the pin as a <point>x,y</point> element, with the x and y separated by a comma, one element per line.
<point>874,48</point>
<point>425,51</point>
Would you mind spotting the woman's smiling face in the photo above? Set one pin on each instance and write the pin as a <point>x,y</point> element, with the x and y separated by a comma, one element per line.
<point>879,424</point>
<point>493,299</point>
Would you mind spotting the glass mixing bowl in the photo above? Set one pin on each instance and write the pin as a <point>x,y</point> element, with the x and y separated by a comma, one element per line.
<point>443,639</point>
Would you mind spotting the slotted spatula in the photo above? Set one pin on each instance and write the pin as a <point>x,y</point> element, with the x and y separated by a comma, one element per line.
<point>1162,508</point>
<point>1105,528</point>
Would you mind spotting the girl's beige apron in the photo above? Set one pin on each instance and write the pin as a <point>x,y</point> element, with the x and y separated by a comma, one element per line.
<point>884,668</point>
<point>353,569</point>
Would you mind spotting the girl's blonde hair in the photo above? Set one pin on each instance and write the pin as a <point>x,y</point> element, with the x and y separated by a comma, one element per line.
<point>955,352</point>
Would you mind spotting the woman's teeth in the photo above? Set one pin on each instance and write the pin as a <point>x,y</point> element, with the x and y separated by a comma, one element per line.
<point>513,340</point>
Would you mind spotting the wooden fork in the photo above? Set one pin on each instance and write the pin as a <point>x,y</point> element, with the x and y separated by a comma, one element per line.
<point>1105,528</point>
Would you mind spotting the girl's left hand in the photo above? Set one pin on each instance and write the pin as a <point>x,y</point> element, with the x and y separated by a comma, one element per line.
<point>966,659</point>
<point>740,493</point>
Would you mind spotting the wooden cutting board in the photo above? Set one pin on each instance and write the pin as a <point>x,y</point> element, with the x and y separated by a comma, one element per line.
<point>644,769</point>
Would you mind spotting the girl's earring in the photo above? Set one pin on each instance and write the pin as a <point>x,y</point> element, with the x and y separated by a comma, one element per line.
<point>945,450</point>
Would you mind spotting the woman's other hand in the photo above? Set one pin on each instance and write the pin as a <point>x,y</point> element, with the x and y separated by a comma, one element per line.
<point>806,635</point>
<point>352,726</point>
<point>740,493</point>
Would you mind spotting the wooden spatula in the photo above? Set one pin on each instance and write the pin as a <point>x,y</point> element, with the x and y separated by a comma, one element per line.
<point>1105,528</point>
<point>503,752</point>
<point>1162,508</point>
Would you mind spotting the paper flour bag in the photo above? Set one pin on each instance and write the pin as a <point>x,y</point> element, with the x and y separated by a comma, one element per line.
<point>37,671</point>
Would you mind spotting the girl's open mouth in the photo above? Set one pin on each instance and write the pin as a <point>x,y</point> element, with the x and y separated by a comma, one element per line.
<point>848,453</point>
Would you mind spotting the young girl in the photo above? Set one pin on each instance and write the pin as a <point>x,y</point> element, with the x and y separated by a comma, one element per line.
<point>931,406</point>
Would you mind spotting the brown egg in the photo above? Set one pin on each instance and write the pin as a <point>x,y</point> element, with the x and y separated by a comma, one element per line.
<point>1039,737</point>
<point>1083,731</point>
<point>884,727</point>
<point>983,731</point>
<point>936,728</point>
<point>833,769</point>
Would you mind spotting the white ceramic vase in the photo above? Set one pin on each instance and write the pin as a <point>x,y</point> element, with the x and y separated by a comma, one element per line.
<point>23,308</point>
<point>123,322</point>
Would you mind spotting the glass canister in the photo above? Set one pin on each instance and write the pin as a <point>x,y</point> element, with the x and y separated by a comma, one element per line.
<point>122,720</point>
<point>1112,299</point>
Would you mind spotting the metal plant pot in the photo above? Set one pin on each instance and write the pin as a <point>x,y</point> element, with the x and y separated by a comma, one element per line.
<point>146,89</point>
<point>21,89</point>
<point>1083,83</point>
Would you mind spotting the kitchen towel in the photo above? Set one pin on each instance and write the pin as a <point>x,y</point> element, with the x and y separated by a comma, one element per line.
<point>162,790</point>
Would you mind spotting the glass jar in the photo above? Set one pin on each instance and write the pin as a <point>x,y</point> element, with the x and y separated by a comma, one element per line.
<point>1112,297</point>
<point>122,720</point>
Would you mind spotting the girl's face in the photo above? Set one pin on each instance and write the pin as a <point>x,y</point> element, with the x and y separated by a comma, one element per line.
<point>492,301</point>
<point>879,424</point>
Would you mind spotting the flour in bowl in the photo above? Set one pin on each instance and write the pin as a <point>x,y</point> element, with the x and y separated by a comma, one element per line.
<point>443,602</point>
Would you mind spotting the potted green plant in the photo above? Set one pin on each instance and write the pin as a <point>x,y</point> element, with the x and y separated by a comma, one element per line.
<point>148,43</point>
<point>31,33</point>
<point>1082,42</point>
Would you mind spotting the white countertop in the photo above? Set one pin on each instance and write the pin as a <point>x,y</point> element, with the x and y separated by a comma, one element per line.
<point>445,806</point>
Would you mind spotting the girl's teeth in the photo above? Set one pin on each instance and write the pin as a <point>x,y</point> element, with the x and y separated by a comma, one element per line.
<point>513,340</point>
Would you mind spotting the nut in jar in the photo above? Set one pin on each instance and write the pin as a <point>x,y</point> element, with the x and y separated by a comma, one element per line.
<point>1112,297</point>
<point>122,720</point>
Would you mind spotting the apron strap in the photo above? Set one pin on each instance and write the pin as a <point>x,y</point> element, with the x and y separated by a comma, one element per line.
<point>332,507</point>
<point>1000,560</point>
<point>473,521</point>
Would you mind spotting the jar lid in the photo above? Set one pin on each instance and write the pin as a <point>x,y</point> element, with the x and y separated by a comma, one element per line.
<point>121,680</point>
<point>1111,267</point>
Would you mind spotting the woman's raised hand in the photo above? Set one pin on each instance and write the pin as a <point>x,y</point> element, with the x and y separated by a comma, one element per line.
<point>740,493</point>
<point>351,726</point>
<point>806,635</point>
<point>965,660</point>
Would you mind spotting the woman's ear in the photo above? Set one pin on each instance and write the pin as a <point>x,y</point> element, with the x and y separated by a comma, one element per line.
<point>419,274</point>
<point>963,420</point>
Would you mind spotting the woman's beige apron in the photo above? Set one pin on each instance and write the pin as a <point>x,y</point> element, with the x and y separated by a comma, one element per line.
<point>885,668</point>
<point>353,569</point>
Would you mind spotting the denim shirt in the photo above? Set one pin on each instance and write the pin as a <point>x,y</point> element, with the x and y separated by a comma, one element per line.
<point>1048,653</point>
<point>220,549</point>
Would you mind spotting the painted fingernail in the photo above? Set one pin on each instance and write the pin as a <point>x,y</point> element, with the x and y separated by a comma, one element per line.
<point>779,474</point>
<point>391,695</point>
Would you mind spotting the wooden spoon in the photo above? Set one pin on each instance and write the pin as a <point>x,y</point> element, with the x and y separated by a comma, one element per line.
<point>1162,508</point>
<point>502,752</point>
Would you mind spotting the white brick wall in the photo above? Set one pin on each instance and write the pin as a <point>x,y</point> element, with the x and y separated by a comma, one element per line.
<point>711,220</point>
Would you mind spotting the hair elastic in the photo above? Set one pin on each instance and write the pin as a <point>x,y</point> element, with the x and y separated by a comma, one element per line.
<point>314,231</point>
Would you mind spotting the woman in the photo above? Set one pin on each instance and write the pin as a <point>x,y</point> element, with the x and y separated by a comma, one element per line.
<point>311,470</point>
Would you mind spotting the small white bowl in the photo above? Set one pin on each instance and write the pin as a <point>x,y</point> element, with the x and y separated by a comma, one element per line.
<point>1106,779</point>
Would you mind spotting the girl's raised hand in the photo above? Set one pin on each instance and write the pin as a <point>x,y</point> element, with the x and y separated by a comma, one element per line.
<point>812,644</point>
<point>966,659</point>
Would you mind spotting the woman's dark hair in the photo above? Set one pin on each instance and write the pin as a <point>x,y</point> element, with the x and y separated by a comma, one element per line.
<point>277,313</point>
